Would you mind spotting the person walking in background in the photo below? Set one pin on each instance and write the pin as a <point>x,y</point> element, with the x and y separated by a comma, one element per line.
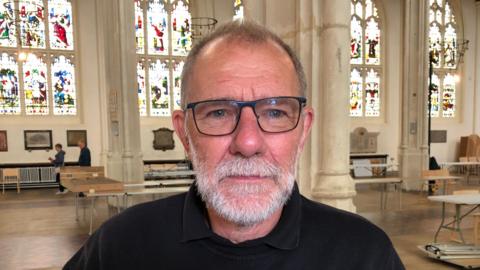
<point>84,159</point>
<point>58,161</point>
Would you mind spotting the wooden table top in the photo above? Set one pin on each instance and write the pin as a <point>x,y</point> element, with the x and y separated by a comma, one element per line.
<point>96,184</point>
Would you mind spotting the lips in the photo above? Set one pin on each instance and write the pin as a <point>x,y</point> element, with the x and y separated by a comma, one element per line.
<point>252,179</point>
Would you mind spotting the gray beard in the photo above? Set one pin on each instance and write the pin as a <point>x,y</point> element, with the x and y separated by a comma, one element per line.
<point>244,204</point>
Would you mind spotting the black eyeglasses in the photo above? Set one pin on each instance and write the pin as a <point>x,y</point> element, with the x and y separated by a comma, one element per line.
<point>221,117</point>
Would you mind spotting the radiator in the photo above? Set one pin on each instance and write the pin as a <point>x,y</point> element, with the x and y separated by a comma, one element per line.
<point>37,174</point>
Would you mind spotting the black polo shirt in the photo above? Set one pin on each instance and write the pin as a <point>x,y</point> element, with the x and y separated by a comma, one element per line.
<point>174,233</point>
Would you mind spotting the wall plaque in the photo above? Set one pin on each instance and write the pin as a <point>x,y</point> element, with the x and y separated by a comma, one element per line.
<point>362,141</point>
<point>438,136</point>
<point>163,139</point>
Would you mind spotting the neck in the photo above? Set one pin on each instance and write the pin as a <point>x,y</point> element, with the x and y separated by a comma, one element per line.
<point>237,233</point>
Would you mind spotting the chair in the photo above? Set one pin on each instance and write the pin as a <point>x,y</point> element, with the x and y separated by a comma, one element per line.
<point>440,173</point>
<point>10,176</point>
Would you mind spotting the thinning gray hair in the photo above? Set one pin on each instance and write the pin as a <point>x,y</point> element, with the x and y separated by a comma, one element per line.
<point>240,30</point>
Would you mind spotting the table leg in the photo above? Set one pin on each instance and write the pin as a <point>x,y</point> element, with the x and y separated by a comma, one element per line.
<point>400,195</point>
<point>381,198</point>
<point>458,219</point>
<point>441,223</point>
<point>385,196</point>
<point>76,206</point>
<point>92,208</point>
<point>118,204</point>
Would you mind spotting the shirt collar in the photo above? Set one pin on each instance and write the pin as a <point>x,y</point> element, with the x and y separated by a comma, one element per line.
<point>285,235</point>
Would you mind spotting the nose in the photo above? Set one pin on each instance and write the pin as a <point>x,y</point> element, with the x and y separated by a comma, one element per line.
<point>248,138</point>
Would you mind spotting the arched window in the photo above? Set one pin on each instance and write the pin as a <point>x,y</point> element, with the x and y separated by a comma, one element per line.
<point>237,9</point>
<point>443,43</point>
<point>366,93</point>
<point>37,69</point>
<point>163,39</point>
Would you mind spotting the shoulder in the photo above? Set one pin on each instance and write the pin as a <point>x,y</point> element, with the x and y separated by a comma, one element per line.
<point>344,226</point>
<point>163,213</point>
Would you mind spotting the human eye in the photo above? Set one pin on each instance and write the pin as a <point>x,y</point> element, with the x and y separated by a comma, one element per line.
<point>274,113</point>
<point>216,113</point>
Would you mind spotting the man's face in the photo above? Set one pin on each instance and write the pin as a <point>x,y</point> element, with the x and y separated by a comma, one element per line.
<point>248,175</point>
<point>81,144</point>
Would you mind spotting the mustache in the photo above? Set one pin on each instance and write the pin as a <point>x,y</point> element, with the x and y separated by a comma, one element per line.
<point>253,166</point>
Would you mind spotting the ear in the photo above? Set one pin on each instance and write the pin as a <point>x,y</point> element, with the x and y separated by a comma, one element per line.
<point>307,122</point>
<point>178,119</point>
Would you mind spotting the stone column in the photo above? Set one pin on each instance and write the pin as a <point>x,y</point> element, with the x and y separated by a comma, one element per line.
<point>476,92</point>
<point>332,183</point>
<point>414,143</point>
<point>306,40</point>
<point>120,118</point>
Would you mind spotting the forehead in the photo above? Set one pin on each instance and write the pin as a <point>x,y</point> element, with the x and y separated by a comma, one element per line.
<point>229,68</point>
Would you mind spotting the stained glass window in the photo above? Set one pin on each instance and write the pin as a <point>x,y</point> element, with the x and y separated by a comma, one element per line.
<point>35,85</point>
<point>443,41</point>
<point>435,96</point>
<point>158,34</point>
<point>356,93</point>
<point>38,73</point>
<point>141,86</point>
<point>159,88</point>
<point>32,23</point>
<point>448,96</point>
<point>372,98</point>
<point>61,26</point>
<point>7,24</point>
<point>177,94</point>
<point>181,31</point>
<point>237,9</point>
<point>168,41</point>
<point>365,59</point>
<point>63,85</point>
<point>9,91</point>
<point>139,27</point>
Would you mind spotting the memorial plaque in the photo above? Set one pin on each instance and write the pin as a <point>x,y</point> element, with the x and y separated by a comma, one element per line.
<point>362,141</point>
<point>438,136</point>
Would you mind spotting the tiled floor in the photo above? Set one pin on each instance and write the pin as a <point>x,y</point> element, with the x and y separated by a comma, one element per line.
<point>38,229</point>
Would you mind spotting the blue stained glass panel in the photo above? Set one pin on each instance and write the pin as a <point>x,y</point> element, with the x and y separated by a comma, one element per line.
<point>63,82</point>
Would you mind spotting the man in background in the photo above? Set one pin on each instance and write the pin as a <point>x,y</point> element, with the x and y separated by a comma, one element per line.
<point>84,159</point>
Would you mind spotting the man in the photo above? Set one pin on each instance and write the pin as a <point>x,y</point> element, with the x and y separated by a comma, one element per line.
<point>58,161</point>
<point>244,123</point>
<point>84,160</point>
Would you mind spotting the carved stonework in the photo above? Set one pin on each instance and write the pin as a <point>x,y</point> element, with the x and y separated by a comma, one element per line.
<point>163,139</point>
<point>362,141</point>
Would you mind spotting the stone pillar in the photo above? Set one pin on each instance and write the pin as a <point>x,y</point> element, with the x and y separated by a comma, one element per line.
<point>120,117</point>
<point>332,183</point>
<point>476,92</point>
<point>414,143</point>
<point>306,40</point>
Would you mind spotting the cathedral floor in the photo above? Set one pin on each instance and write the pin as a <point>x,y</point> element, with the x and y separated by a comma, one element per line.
<point>38,228</point>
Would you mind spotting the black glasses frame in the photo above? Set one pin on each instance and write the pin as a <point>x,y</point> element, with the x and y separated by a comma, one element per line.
<point>242,104</point>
